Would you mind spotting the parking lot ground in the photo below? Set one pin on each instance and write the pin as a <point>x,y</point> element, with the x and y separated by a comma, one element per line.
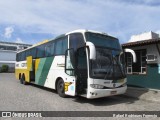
<point>17,97</point>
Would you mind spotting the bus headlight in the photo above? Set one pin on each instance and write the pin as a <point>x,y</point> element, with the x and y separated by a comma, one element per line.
<point>97,86</point>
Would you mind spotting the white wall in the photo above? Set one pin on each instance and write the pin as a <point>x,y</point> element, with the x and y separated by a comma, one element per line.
<point>8,58</point>
<point>144,36</point>
<point>7,55</point>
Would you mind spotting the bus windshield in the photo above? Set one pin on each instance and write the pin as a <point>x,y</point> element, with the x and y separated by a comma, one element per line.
<point>102,40</point>
<point>109,62</point>
<point>107,65</point>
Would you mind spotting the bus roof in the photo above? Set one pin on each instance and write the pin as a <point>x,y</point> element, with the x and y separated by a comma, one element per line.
<point>62,35</point>
<point>85,30</point>
<point>92,31</point>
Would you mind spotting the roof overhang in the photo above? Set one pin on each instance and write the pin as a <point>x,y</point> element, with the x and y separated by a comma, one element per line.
<point>141,43</point>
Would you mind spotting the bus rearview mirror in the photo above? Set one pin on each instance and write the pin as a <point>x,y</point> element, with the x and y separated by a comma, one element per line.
<point>92,50</point>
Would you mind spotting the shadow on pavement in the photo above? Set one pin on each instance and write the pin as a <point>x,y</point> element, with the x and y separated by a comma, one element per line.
<point>105,101</point>
<point>136,91</point>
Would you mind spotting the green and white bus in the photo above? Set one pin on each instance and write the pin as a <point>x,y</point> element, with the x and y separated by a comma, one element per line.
<point>82,62</point>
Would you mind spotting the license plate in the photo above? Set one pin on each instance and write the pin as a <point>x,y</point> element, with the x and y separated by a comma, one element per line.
<point>113,92</point>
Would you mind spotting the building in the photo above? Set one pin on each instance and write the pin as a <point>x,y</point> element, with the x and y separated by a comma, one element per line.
<point>8,53</point>
<point>144,36</point>
<point>146,71</point>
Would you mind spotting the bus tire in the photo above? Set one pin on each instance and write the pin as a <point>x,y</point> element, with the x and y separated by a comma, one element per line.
<point>60,88</point>
<point>23,80</point>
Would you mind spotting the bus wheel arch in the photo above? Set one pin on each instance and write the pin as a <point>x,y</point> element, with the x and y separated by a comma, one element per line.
<point>60,87</point>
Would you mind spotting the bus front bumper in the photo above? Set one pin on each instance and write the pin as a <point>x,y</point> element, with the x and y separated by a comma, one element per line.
<point>97,93</point>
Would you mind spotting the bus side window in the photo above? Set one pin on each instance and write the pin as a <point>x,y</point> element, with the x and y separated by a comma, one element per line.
<point>33,53</point>
<point>49,50</point>
<point>65,45</point>
<point>40,51</point>
<point>22,56</point>
<point>28,53</point>
<point>58,47</point>
<point>61,46</point>
<point>76,41</point>
<point>17,57</point>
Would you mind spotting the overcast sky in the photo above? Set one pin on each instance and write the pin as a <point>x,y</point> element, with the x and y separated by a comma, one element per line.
<point>31,21</point>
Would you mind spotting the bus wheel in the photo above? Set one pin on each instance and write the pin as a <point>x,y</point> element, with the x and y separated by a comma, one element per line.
<point>23,80</point>
<point>60,88</point>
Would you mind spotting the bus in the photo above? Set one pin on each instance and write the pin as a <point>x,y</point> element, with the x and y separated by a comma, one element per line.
<point>82,62</point>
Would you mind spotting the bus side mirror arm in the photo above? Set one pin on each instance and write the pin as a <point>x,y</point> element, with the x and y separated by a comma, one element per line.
<point>133,54</point>
<point>92,50</point>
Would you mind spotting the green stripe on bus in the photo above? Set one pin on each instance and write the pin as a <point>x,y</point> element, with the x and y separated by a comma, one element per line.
<point>39,70</point>
<point>43,70</point>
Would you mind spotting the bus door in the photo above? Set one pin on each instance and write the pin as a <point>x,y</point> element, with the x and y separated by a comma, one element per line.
<point>70,82</point>
<point>81,71</point>
<point>76,69</point>
<point>78,61</point>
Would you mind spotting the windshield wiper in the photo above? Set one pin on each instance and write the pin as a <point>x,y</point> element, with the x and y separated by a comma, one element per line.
<point>111,68</point>
<point>109,71</point>
<point>119,66</point>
